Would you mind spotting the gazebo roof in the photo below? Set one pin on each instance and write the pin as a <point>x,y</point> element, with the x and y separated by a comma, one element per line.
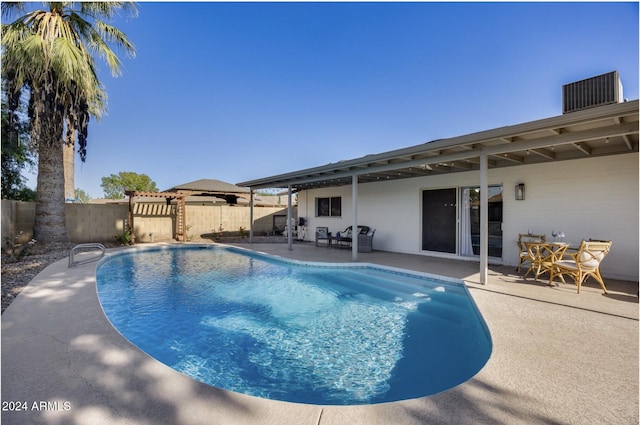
<point>208,186</point>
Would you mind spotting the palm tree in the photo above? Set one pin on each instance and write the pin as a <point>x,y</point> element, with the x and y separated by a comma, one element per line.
<point>49,55</point>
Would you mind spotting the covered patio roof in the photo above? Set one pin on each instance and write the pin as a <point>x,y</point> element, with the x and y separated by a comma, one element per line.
<point>599,131</point>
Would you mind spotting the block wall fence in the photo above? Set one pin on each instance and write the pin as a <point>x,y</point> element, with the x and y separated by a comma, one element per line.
<point>101,222</point>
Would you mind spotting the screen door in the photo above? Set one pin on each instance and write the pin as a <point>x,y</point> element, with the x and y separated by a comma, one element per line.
<point>439,220</point>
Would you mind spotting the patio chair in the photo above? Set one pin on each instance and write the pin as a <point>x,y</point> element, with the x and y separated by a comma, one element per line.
<point>583,264</point>
<point>347,233</point>
<point>543,256</point>
<point>365,241</point>
<point>524,253</point>
<point>343,238</point>
<point>323,234</point>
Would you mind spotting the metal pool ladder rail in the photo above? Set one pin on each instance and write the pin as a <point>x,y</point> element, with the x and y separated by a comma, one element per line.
<point>84,246</point>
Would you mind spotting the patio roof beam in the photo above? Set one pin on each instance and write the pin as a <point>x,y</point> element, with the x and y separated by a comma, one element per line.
<point>424,170</point>
<point>549,154</point>
<point>490,162</point>
<point>511,157</point>
<point>462,165</point>
<point>565,138</point>
<point>625,137</point>
<point>582,148</point>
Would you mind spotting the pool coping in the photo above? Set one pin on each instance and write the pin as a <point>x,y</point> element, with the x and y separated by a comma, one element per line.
<point>316,264</point>
<point>57,350</point>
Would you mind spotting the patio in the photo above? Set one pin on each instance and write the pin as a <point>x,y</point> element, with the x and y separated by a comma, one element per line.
<point>558,358</point>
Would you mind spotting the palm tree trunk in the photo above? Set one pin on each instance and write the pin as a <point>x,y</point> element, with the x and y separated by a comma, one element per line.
<point>69,170</point>
<point>47,129</point>
<point>50,223</point>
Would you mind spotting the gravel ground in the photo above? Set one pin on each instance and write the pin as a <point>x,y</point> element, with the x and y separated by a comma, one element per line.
<point>19,269</point>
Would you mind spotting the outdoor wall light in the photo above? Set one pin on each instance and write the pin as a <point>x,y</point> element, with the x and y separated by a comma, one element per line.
<point>520,192</point>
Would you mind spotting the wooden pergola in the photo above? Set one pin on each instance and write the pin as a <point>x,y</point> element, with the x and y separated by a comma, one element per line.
<point>180,230</point>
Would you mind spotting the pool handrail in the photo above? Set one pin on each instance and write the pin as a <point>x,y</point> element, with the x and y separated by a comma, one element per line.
<point>78,247</point>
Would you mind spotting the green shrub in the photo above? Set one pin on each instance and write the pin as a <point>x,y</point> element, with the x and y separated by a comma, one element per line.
<point>124,238</point>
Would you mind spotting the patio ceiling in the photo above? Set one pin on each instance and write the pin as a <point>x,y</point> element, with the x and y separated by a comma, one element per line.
<point>601,131</point>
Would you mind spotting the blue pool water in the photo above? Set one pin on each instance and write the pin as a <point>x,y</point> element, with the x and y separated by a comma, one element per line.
<point>257,325</point>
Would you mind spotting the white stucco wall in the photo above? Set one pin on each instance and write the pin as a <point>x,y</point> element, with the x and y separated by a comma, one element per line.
<point>587,198</point>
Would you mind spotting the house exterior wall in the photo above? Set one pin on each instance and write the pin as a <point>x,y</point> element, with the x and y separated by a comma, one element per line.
<point>587,198</point>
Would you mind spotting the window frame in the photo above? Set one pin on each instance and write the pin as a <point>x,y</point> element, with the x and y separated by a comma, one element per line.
<point>328,206</point>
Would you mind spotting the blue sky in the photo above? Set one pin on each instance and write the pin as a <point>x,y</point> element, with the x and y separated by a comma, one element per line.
<point>239,91</point>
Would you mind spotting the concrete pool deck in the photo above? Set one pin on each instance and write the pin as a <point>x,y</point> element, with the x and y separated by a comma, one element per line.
<point>558,358</point>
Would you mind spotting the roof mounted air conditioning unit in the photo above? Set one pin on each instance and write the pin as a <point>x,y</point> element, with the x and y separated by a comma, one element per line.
<point>592,92</point>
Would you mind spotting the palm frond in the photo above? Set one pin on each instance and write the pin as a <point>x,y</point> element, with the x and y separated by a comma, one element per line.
<point>114,35</point>
<point>53,54</point>
<point>95,43</point>
<point>107,10</point>
<point>11,8</point>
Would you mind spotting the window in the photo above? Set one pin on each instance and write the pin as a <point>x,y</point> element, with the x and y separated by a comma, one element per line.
<point>329,207</point>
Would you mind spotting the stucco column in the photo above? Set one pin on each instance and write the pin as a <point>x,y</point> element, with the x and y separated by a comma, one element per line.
<point>250,215</point>
<point>289,226</point>
<point>484,219</point>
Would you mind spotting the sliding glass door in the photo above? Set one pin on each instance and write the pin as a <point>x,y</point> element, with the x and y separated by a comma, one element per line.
<point>453,227</point>
<point>470,221</point>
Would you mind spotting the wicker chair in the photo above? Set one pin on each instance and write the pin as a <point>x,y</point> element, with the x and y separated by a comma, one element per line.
<point>543,257</point>
<point>524,254</point>
<point>344,238</point>
<point>365,241</point>
<point>584,263</point>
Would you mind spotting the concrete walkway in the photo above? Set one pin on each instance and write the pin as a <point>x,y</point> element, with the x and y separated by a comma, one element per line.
<point>558,358</point>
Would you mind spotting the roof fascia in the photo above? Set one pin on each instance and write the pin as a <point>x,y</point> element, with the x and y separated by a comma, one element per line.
<point>362,165</point>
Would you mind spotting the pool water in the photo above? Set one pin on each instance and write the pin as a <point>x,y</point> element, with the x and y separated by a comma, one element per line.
<point>296,332</point>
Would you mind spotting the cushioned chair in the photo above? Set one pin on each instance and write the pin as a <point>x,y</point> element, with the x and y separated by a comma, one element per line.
<point>323,234</point>
<point>347,233</point>
<point>583,264</point>
<point>524,254</point>
<point>365,241</point>
<point>344,238</point>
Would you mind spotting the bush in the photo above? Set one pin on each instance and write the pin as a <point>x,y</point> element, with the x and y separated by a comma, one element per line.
<point>124,238</point>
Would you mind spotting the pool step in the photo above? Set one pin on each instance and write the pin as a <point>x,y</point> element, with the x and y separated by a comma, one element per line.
<point>439,301</point>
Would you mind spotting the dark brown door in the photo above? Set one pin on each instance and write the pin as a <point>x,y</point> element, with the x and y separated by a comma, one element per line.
<point>439,220</point>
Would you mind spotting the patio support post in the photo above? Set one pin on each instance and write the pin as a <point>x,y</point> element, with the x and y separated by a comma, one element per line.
<point>289,226</point>
<point>484,218</point>
<point>354,228</point>
<point>130,218</point>
<point>250,215</point>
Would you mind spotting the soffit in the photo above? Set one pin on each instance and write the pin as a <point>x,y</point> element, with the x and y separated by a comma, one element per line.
<point>606,130</point>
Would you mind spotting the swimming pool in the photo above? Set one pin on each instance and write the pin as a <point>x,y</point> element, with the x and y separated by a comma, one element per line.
<point>284,330</point>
